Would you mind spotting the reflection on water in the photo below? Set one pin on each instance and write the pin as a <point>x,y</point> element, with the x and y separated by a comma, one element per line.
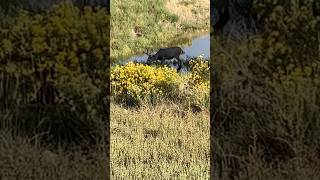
<point>199,46</point>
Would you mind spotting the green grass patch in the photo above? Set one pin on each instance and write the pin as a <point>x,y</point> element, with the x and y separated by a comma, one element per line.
<point>149,23</point>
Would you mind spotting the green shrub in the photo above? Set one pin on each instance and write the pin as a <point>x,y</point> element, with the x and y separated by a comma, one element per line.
<point>54,67</point>
<point>269,92</point>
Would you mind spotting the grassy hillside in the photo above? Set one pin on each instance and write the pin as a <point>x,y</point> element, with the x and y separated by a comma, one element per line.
<point>159,142</point>
<point>159,118</point>
<point>160,122</point>
<point>151,23</point>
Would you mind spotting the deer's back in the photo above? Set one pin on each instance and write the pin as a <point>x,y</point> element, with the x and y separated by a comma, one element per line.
<point>171,51</point>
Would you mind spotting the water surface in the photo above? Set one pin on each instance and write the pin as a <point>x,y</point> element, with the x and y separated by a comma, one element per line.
<point>200,45</point>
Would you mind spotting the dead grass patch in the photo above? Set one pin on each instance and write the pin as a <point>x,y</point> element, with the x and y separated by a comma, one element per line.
<point>190,11</point>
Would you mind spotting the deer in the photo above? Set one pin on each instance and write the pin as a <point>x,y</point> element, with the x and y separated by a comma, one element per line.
<point>166,53</point>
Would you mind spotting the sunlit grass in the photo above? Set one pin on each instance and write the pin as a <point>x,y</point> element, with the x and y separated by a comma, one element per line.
<point>159,142</point>
<point>150,23</point>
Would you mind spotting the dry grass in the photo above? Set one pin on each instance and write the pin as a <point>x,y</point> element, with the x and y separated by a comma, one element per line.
<point>24,158</point>
<point>160,142</point>
<point>190,11</point>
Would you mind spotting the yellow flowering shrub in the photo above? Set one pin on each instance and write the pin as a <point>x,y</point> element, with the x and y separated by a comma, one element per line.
<point>142,81</point>
<point>199,72</point>
<point>199,78</point>
<point>138,82</point>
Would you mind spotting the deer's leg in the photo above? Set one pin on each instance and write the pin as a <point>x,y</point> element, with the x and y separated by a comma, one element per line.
<point>162,60</point>
<point>179,64</point>
<point>179,68</point>
<point>179,60</point>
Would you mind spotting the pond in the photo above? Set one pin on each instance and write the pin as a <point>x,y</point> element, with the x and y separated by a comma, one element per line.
<point>198,45</point>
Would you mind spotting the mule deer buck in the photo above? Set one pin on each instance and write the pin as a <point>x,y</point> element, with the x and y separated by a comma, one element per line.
<point>167,53</point>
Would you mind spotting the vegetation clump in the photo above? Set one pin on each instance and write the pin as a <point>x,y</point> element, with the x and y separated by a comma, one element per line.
<point>53,84</point>
<point>136,83</point>
<point>268,95</point>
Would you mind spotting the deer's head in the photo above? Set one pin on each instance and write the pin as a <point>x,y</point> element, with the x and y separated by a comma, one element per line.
<point>150,56</point>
